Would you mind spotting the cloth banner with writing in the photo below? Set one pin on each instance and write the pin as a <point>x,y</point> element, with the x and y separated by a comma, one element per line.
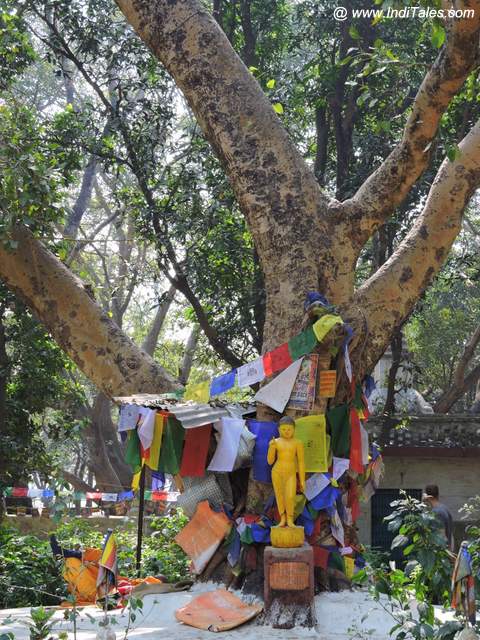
<point>129,415</point>
<point>311,430</point>
<point>251,373</point>
<point>198,392</point>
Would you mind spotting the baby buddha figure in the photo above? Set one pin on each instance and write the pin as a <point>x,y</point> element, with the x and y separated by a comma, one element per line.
<point>286,455</point>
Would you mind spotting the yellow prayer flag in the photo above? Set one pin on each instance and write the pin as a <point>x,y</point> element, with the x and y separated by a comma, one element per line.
<point>325,324</point>
<point>136,480</point>
<point>349,567</point>
<point>198,392</point>
<point>156,445</point>
<point>311,430</point>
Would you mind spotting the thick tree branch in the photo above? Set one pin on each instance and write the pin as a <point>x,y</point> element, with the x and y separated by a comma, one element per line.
<point>389,295</point>
<point>271,180</point>
<point>77,483</point>
<point>389,184</point>
<point>59,299</point>
<point>151,338</point>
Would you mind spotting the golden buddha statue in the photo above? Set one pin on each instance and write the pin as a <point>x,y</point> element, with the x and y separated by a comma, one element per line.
<point>287,454</point>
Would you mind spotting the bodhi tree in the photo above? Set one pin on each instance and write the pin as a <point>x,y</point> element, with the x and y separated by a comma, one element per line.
<point>305,239</point>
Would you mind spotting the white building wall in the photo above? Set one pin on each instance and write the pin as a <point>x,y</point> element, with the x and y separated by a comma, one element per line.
<point>458,479</point>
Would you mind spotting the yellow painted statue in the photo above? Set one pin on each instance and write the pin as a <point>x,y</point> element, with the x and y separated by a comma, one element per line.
<point>287,454</point>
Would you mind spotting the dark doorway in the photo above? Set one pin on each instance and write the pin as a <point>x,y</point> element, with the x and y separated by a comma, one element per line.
<point>381,536</point>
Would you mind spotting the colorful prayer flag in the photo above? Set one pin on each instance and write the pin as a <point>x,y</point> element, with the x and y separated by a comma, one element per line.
<point>198,392</point>
<point>277,393</point>
<point>154,451</point>
<point>356,463</point>
<point>251,373</point>
<point>264,432</point>
<point>197,442</point>
<point>132,451</point>
<point>107,565</point>
<point>223,383</point>
<point>172,444</point>
<point>277,359</point>
<point>339,421</point>
<point>302,344</point>
<point>227,448</point>
<point>325,324</point>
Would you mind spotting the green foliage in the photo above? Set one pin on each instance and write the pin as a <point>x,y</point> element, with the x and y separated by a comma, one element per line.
<point>29,576</point>
<point>35,166</point>
<point>440,327</point>
<point>420,534</point>
<point>39,398</point>
<point>28,573</point>
<point>16,52</point>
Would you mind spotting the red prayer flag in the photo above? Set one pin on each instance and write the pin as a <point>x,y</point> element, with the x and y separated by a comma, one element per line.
<point>19,492</point>
<point>277,359</point>
<point>94,495</point>
<point>356,463</point>
<point>320,557</point>
<point>195,451</point>
<point>160,496</point>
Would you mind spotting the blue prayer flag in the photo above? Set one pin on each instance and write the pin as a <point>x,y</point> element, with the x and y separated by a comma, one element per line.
<point>264,431</point>
<point>48,493</point>
<point>222,383</point>
<point>126,495</point>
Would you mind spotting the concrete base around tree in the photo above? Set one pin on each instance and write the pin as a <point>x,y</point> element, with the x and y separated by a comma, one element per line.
<point>340,616</point>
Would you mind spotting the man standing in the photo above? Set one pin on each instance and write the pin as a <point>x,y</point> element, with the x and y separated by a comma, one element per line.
<point>443,514</point>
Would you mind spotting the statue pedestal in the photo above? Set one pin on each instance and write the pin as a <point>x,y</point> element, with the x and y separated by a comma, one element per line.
<point>289,585</point>
<point>287,537</point>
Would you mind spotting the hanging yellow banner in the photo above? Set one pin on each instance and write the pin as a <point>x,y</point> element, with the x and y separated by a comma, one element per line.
<point>311,430</point>
<point>324,324</point>
<point>198,392</point>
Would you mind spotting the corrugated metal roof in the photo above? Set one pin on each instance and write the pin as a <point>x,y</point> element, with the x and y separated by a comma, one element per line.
<point>190,414</point>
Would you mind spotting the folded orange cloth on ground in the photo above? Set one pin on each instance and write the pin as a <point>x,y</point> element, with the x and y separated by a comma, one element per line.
<point>217,610</point>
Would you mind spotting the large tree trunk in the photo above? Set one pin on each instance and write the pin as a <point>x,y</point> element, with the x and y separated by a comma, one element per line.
<point>60,300</point>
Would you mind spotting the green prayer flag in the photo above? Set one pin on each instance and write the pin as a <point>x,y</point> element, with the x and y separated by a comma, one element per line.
<point>246,537</point>
<point>79,495</point>
<point>8,491</point>
<point>172,445</point>
<point>335,561</point>
<point>132,452</point>
<point>357,400</point>
<point>148,494</point>
<point>339,420</point>
<point>302,344</point>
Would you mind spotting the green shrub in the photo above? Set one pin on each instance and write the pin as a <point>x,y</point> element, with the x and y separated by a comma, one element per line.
<point>28,572</point>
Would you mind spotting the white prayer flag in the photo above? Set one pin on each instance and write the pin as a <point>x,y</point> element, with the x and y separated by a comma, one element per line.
<point>230,430</point>
<point>277,393</point>
<point>340,465</point>
<point>109,497</point>
<point>146,426</point>
<point>128,417</point>
<point>251,373</point>
<point>315,484</point>
<point>365,447</point>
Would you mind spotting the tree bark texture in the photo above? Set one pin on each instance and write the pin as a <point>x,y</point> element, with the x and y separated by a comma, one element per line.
<point>59,299</point>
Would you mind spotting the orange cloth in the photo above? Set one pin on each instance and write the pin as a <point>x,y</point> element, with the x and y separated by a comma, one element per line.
<point>81,577</point>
